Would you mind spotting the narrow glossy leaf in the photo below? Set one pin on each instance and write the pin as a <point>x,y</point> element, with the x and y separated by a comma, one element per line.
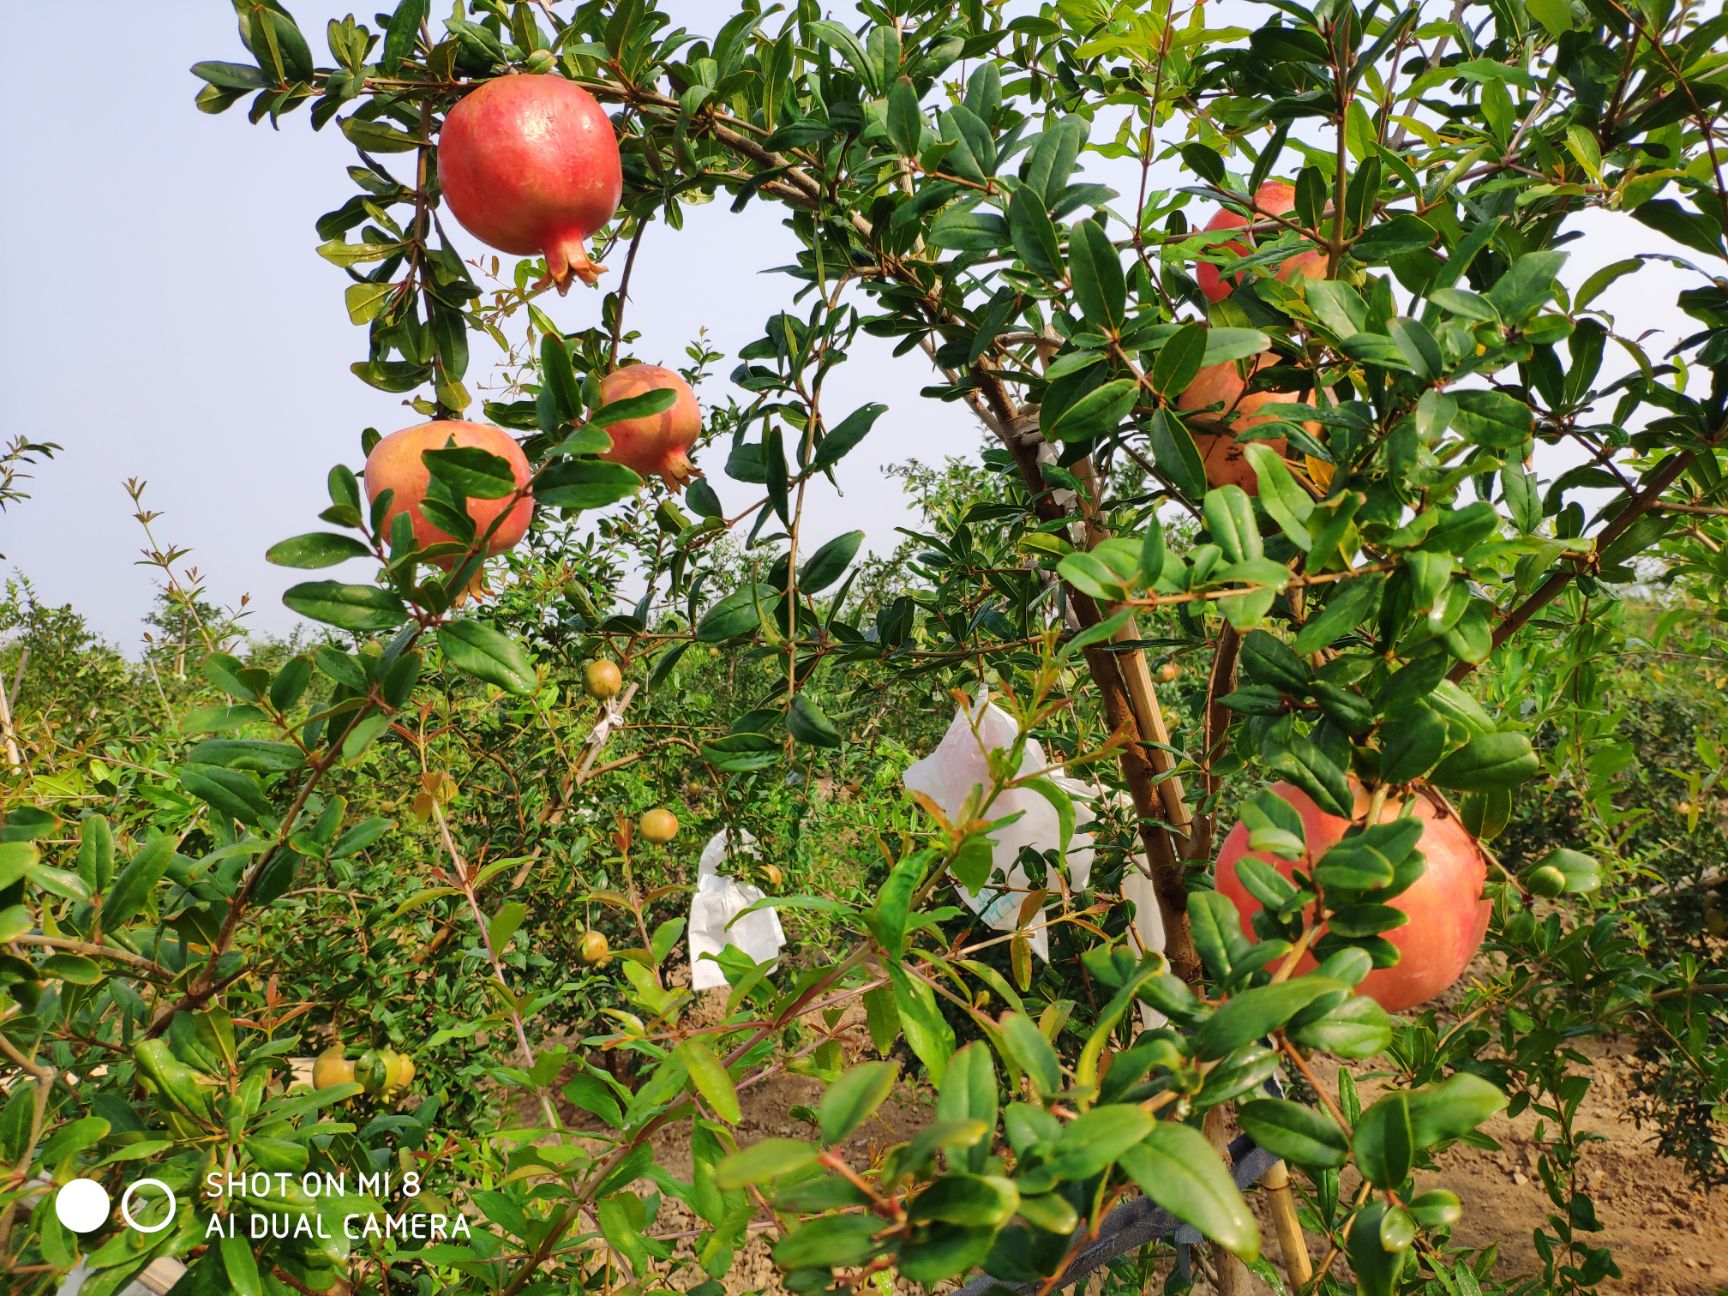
<point>708,1074</point>
<point>316,549</point>
<point>348,607</point>
<point>854,1098</point>
<point>1295,1132</point>
<point>487,654</point>
<point>760,1162</point>
<point>1384,1143</point>
<point>1179,1170</point>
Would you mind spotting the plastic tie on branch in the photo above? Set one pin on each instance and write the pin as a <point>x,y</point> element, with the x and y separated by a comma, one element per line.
<point>714,914</point>
<point>960,766</point>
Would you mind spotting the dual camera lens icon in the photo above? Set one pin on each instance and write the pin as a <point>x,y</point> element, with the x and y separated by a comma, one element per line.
<point>83,1205</point>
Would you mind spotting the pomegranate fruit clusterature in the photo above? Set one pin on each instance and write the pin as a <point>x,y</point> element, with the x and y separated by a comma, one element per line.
<point>395,465</point>
<point>529,163</point>
<point>1446,911</point>
<point>653,444</point>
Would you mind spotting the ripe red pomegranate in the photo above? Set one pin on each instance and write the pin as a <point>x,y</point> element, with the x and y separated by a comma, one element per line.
<point>1448,913</point>
<point>395,465</point>
<point>654,443</point>
<point>1225,458</point>
<point>530,164</point>
<point>1273,198</point>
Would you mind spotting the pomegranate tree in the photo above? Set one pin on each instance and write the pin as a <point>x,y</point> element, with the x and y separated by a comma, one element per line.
<point>529,163</point>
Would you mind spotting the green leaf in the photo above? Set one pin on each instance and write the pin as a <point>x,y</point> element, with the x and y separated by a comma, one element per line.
<point>240,1266</point>
<point>347,607</point>
<point>829,1242</point>
<point>806,722</point>
<point>853,1099</point>
<point>1229,516</point>
<point>737,615</point>
<point>487,654</point>
<point>559,377</point>
<point>1491,419</point>
<point>1095,267</point>
<point>584,484</point>
<point>1097,412</point>
<point>708,1074</point>
<point>1452,1108</point>
<point>1295,1132</point>
<point>1488,762</point>
<point>1224,345</point>
<point>961,229</point>
<point>1178,360</point>
<point>1093,1140</point>
<point>829,563</point>
<point>471,471</point>
<point>1357,1028</point>
<point>760,1162</point>
<point>234,793</point>
<point>1092,576</point>
<point>1384,1143</point>
<point>1580,873</point>
<point>1176,455</point>
<point>1375,1267</point>
<point>928,1033</point>
<point>316,549</point>
<point>1179,1170</point>
<point>1034,234</point>
<point>905,119</point>
<point>646,405</point>
<point>1259,1011</point>
<point>1025,1046</point>
<point>845,435</point>
<point>230,76</point>
<point>979,1201</point>
<point>95,854</point>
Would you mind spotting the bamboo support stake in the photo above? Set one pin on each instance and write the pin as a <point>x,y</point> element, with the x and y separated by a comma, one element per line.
<point>14,757</point>
<point>1291,1244</point>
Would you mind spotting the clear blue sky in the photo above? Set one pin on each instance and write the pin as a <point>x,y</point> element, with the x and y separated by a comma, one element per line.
<point>165,316</point>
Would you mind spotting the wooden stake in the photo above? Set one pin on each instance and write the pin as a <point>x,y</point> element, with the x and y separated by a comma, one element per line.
<point>1291,1244</point>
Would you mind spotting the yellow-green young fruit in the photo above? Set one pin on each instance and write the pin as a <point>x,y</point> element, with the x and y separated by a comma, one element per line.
<point>602,679</point>
<point>595,949</point>
<point>399,1070</point>
<point>1169,672</point>
<point>659,826</point>
<point>331,1068</point>
<point>772,875</point>
<point>373,1072</point>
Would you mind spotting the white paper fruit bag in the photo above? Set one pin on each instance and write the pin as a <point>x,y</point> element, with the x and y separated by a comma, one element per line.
<point>958,766</point>
<point>714,910</point>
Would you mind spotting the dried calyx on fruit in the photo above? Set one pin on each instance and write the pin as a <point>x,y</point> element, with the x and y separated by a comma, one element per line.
<point>530,164</point>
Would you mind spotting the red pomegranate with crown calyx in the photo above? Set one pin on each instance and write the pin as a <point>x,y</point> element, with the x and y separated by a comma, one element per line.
<point>529,163</point>
<point>1274,198</point>
<point>1447,911</point>
<point>653,444</point>
<point>395,465</point>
